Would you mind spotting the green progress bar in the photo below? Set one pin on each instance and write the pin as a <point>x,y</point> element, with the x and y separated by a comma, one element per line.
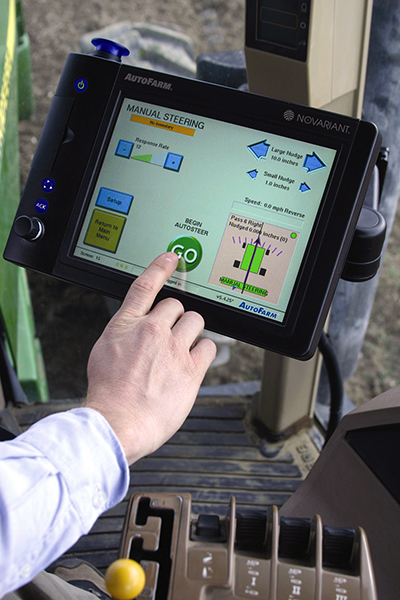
<point>252,252</point>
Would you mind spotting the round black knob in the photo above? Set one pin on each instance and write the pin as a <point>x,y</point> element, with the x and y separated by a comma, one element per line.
<point>364,256</point>
<point>29,228</point>
<point>109,49</point>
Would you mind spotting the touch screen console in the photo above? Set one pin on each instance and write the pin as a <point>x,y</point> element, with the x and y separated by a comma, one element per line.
<point>258,197</point>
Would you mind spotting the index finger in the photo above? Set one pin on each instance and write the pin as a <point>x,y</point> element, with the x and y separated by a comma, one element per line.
<point>144,289</point>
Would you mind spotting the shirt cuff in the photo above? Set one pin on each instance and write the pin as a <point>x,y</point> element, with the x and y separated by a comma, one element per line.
<point>83,447</point>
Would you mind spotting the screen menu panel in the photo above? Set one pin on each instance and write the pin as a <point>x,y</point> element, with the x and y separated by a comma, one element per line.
<point>238,205</point>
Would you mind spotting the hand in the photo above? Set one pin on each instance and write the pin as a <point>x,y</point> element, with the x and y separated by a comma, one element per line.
<point>145,370</point>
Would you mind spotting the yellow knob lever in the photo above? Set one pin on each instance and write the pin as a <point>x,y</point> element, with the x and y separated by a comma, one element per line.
<point>125,579</point>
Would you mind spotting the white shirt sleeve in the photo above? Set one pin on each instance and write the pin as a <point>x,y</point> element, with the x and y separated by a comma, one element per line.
<point>55,480</point>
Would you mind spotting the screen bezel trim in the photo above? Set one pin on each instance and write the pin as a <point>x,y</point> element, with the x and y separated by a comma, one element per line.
<point>220,316</point>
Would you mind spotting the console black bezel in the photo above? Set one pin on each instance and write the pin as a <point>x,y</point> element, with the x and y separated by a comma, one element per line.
<point>357,144</point>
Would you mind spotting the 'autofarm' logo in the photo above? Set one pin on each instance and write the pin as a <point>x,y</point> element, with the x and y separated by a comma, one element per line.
<point>259,310</point>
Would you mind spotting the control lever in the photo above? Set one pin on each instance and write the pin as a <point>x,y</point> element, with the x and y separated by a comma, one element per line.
<point>338,547</point>
<point>125,579</point>
<point>208,528</point>
<point>294,538</point>
<point>251,530</point>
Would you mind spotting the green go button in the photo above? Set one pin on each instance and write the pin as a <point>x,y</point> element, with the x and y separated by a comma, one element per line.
<point>189,251</point>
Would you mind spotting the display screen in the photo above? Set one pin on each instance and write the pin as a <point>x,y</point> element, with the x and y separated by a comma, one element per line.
<point>278,27</point>
<point>237,204</point>
<point>278,22</point>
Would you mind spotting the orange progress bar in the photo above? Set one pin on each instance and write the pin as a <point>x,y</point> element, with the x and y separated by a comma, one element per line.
<point>162,125</point>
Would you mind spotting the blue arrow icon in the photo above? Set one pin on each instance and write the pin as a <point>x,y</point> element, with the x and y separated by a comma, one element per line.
<point>260,149</point>
<point>253,174</point>
<point>304,187</point>
<point>312,162</point>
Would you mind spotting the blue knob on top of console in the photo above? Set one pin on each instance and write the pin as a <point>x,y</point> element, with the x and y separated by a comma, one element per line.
<point>109,49</point>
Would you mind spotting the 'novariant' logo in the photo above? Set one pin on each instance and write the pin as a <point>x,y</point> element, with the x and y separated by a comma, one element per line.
<point>314,121</point>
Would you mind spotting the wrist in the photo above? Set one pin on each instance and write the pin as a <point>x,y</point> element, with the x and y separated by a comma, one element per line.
<point>128,437</point>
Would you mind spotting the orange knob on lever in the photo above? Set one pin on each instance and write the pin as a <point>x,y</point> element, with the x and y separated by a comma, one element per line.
<point>125,579</point>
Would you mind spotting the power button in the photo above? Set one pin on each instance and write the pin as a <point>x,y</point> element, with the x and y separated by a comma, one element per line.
<point>81,85</point>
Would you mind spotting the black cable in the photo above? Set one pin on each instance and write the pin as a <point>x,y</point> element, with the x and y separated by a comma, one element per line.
<point>335,383</point>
